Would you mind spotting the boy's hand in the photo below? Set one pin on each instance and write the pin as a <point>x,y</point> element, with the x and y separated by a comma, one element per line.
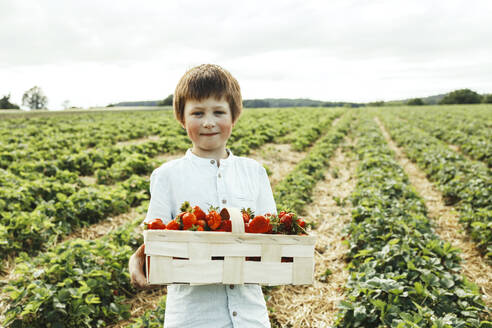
<point>136,267</point>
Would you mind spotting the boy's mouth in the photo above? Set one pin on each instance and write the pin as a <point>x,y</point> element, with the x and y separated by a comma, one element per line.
<point>209,134</point>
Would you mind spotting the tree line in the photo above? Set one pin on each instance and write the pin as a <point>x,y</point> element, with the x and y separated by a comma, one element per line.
<point>35,99</point>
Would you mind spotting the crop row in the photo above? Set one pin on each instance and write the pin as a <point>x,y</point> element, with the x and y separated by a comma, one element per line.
<point>47,138</point>
<point>305,136</point>
<point>35,230</point>
<point>461,181</point>
<point>295,190</point>
<point>474,141</point>
<point>401,273</point>
<point>78,283</point>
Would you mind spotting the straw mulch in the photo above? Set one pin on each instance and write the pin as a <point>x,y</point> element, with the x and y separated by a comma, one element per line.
<point>279,159</point>
<point>316,305</point>
<point>144,300</point>
<point>446,223</point>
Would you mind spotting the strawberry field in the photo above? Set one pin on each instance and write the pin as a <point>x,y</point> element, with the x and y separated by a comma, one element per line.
<point>390,252</point>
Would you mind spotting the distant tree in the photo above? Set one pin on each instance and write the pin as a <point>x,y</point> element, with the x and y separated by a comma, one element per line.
<point>377,103</point>
<point>34,98</point>
<point>6,104</point>
<point>166,102</point>
<point>256,103</point>
<point>415,102</point>
<point>487,99</point>
<point>462,96</point>
<point>66,104</point>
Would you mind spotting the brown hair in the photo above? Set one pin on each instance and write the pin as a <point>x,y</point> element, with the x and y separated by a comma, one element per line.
<point>205,81</point>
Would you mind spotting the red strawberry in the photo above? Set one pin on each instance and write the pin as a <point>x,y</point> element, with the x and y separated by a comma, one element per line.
<point>213,220</point>
<point>173,225</point>
<point>259,224</point>
<point>189,219</point>
<point>225,225</point>
<point>156,224</point>
<point>200,215</point>
<point>247,214</point>
<point>286,220</point>
<point>201,223</point>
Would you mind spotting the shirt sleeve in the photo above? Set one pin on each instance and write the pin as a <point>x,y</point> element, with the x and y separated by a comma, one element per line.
<point>160,202</point>
<point>265,202</point>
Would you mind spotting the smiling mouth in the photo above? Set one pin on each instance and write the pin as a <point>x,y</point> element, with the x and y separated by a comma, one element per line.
<point>209,134</point>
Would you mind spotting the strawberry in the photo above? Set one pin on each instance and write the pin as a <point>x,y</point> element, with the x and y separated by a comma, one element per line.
<point>200,215</point>
<point>189,219</point>
<point>225,225</point>
<point>259,224</point>
<point>282,213</point>
<point>286,220</point>
<point>247,214</point>
<point>173,225</point>
<point>155,224</point>
<point>213,219</point>
<point>202,223</point>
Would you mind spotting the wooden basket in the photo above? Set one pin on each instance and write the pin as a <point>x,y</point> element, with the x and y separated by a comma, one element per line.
<point>190,257</point>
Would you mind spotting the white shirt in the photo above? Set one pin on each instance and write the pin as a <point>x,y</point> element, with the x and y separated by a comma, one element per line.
<point>238,182</point>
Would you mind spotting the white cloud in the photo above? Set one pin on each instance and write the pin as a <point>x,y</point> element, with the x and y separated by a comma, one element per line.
<point>97,52</point>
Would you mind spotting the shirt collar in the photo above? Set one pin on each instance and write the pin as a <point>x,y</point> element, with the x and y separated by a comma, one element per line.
<point>208,161</point>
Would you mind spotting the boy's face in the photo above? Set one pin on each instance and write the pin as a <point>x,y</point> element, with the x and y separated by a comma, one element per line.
<point>209,125</point>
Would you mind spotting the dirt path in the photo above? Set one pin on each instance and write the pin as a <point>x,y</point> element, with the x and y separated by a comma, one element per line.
<point>279,158</point>
<point>138,141</point>
<point>316,305</point>
<point>446,221</point>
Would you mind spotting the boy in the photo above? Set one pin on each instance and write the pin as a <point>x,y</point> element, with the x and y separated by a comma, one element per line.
<point>207,103</point>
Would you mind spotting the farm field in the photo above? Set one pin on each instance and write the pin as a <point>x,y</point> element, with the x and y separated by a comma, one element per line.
<point>400,199</point>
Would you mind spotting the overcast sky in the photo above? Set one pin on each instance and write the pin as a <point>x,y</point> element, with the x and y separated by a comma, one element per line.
<point>93,53</point>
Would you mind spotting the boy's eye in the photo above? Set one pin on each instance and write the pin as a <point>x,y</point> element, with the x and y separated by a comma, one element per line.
<point>219,112</point>
<point>197,113</point>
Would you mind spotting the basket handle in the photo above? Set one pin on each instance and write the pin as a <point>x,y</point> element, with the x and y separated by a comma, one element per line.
<point>236,218</point>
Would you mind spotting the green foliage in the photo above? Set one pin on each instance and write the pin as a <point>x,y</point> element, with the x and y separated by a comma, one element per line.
<point>463,183</point>
<point>151,318</point>
<point>6,104</point>
<point>376,103</point>
<point>168,101</point>
<point>79,283</point>
<point>402,275</point>
<point>415,102</point>
<point>34,98</point>
<point>487,99</point>
<point>462,96</point>
<point>295,190</point>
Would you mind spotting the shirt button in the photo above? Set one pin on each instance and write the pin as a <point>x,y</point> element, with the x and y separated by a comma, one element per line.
<point>220,175</point>
<point>231,286</point>
<point>234,313</point>
<point>212,162</point>
<point>224,201</point>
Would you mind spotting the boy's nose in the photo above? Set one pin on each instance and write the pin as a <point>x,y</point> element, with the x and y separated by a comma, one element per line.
<point>208,124</point>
